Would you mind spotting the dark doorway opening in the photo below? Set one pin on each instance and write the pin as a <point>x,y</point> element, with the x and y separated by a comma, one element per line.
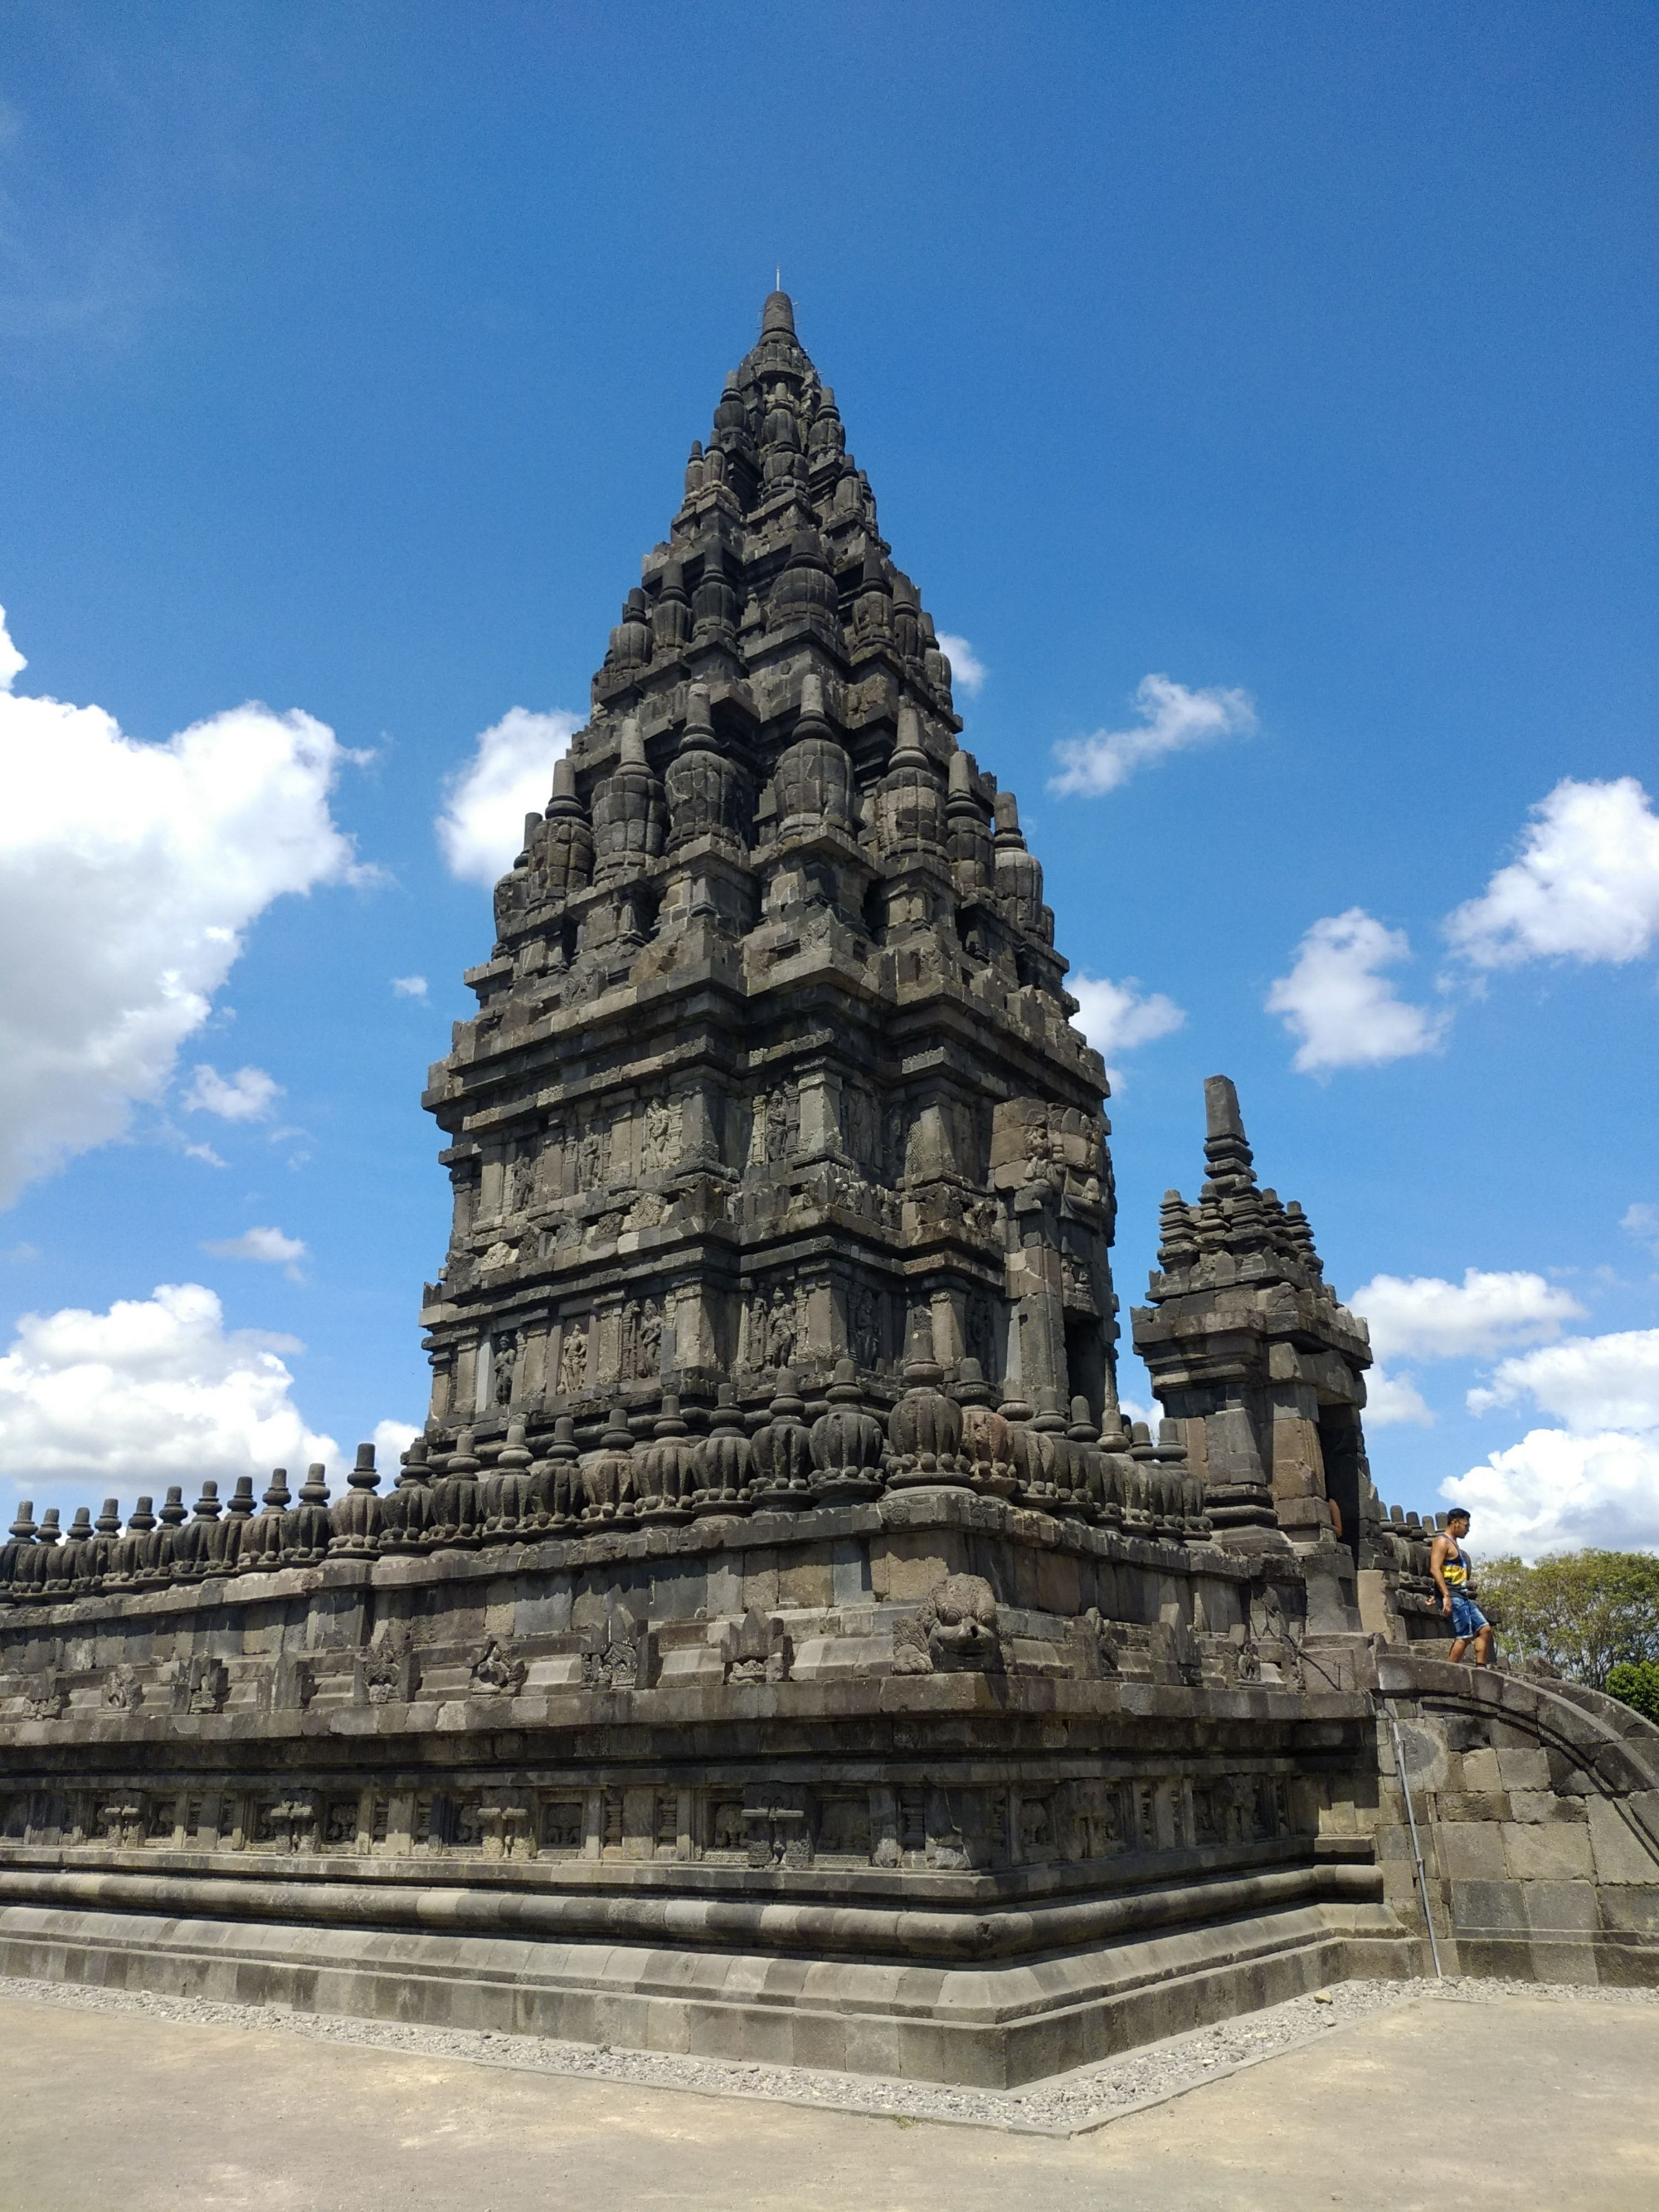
<point>1339,1444</point>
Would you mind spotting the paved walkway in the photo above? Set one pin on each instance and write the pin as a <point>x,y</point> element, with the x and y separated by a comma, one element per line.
<point>1519,2102</point>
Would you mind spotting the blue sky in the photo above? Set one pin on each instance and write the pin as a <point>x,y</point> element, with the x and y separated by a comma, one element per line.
<point>350,360</point>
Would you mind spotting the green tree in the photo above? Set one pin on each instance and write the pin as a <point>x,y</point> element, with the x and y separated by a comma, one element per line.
<point>1636,1683</point>
<point>1585,1612</point>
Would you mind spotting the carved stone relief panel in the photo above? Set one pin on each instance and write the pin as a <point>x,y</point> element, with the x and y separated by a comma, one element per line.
<point>574,1359</point>
<point>774,1125</point>
<point>641,1340</point>
<point>774,1334</point>
<point>860,1128</point>
<point>659,1136</point>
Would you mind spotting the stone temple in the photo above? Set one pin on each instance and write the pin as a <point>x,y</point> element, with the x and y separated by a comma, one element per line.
<point>777,1645</point>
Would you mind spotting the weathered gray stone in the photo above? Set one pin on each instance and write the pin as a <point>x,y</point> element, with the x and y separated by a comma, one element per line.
<point>1537,1853</point>
<point>1620,1853</point>
<point>776,1642</point>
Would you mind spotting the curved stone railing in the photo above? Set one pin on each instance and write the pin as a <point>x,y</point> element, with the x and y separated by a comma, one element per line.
<point>1536,1807</point>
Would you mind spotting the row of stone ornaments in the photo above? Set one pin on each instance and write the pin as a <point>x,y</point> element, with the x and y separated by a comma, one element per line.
<point>963,1438</point>
<point>636,816</point>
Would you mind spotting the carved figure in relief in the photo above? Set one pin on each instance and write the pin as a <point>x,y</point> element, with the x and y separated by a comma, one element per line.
<point>783,1109</point>
<point>1040,1166</point>
<point>779,1332</point>
<point>650,1340</point>
<point>503,1364</point>
<point>590,1157</point>
<point>867,1327</point>
<point>641,1340</point>
<point>573,1361</point>
<point>658,1135</point>
<point>520,1183</point>
<point>630,1341</point>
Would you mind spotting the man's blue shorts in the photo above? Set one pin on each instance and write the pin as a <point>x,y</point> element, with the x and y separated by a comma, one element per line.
<point>1467,1618</point>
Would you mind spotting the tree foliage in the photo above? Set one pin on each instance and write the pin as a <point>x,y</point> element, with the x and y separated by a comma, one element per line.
<point>1636,1683</point>
<point>1585,1612</point>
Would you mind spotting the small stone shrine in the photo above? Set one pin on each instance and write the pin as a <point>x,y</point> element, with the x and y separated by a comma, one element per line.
<point>777,1644</point>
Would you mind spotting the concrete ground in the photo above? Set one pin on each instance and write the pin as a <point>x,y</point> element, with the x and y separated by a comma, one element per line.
<point>1514,2101</point>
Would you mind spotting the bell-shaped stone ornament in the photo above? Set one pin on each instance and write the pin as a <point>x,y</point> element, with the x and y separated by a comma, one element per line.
<point>849,1445</point>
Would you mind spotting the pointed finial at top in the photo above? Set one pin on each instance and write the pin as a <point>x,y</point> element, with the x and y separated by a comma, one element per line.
<point>1226,1148</point>
<point>779,312</point>
<point>1221,1115</point>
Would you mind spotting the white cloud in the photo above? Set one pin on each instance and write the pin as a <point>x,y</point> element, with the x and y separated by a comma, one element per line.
<point>481,829</point>
<point>1593,1481</point>
<point>1592,1382</point>
<point>968,670</point>
<point>1425,1317</point>
<point>267,1245</point>
<point>12,663</point>
<point>408,986</point>
<point>1172,718</point>
<point>1394,1400</point>
<point>1585,887</point>
<point>1116,1018</point>
<point>1555,1490</point>
<point>1347,1013</point>
<point>129,872</point>
<point>1641,1221</point>
<point>155,1391</point>
<point>391,1439</point>
<point>246,1096</point>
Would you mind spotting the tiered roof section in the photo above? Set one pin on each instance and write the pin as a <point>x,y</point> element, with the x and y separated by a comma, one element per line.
<point>773,1066</point>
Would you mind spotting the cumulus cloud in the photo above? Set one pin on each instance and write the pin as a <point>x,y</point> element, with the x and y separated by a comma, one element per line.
<point>1425,1317</point>
<point>130,872</point>
<point>1116,1018</point>
<point>1591,1381</point>
<point>1585,885</point>
<point>481,829</point>
<point>1172,719</point>
<point>247,1096</point>
<point>1344,1011</point>
<point>268,1246</point>
<point>1641,1222</point>
<point>1393,1400</point>
<point>1555,1491</point>
<point>392,1440</point>
<point>408,986</point>
<point>1595,1479</point>
<point>156,1390</point>
<point>968,670</point>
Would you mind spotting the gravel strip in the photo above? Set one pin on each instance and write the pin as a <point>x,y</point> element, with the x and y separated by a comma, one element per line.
<point>1067,2103</point>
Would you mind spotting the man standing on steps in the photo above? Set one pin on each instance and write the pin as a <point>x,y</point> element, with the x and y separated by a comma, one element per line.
<point>1450,1565</point>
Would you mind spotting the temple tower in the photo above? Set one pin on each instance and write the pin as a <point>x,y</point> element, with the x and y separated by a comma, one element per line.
<point>773,1065</point>
<point>1248,1350</point>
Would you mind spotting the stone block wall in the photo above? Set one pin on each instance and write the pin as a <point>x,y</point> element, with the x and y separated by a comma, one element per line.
<point>1537,1809</point>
